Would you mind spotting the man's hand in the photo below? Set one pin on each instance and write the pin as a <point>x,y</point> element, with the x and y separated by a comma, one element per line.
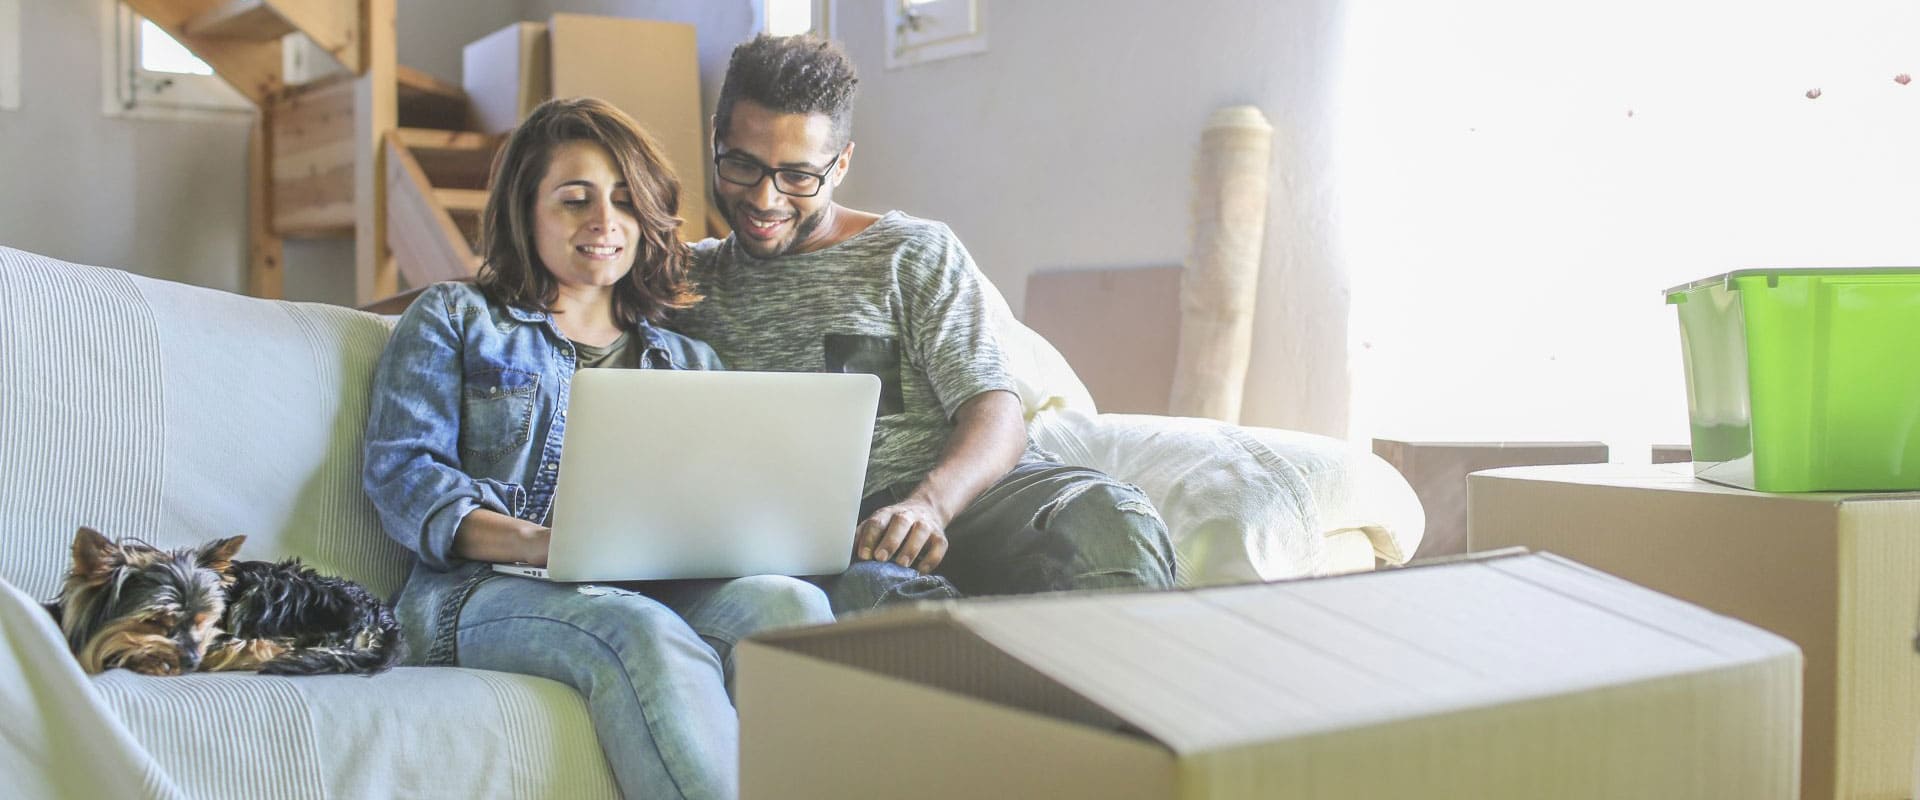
<point>988,435</point>
<point>911,533</point>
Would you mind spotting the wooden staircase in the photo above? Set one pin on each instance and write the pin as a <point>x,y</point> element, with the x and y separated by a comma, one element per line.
<point>383,153</point>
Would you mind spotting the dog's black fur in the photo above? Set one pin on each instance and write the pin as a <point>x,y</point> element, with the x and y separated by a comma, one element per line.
<point>169,612</point>
<point>332,625</point>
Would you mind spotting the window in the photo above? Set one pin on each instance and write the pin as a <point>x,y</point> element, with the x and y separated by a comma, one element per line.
<point>919,31</point>
<point>789,17</point>
<point>154,73</point>
<point>1518,183</point>
<point>9,55</point>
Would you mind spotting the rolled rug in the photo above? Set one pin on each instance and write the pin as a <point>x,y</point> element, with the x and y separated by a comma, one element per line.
<point>1223,268</point>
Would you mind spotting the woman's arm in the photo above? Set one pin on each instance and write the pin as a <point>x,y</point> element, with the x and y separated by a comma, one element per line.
<point>412,452</point>
<point>487,535</point>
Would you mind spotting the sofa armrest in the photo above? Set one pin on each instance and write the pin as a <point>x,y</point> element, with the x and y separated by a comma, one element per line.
<point>1244,503</point>
<point>1354,489</point>
<point>61,740</point>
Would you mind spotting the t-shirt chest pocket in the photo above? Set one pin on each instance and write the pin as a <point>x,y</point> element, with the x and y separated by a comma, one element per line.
<point>496,413</point>
<point>873,355</point>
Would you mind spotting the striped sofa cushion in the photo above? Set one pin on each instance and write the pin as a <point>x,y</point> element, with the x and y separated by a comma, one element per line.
<point>177,414</point>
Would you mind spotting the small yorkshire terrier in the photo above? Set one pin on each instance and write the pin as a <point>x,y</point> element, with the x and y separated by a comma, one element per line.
<point>170,612</point>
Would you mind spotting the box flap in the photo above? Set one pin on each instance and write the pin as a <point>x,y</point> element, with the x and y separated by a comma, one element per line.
<point>927,645</point>
<point>1214,668</point>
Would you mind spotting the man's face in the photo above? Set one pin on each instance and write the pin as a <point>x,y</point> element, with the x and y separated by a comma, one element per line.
<point>766,221</point>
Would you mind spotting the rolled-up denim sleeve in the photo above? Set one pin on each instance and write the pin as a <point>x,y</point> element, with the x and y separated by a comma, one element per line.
<point>412,471</point>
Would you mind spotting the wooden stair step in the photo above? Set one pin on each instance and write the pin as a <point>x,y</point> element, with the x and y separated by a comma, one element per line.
<point>461,201</point>
<point>252,20</point>
<point>428,102</point>
<point>428,245</point>
<point>452,159</point>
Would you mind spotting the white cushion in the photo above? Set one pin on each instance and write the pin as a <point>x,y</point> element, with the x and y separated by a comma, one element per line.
<point>1242,503</point>
<point>1045,380</point>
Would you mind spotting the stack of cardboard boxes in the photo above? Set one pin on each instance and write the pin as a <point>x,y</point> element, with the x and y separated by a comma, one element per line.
<point>1837,573</point>
<point>646,68</point>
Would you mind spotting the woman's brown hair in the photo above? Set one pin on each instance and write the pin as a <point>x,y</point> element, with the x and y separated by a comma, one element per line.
<point>508,273</point>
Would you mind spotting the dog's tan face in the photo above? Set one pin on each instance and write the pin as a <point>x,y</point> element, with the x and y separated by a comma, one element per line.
<point>149,610</point>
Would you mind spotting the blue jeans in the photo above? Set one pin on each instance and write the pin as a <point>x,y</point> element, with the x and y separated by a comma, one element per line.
<point>654,662</point>
<point>1042,527</point>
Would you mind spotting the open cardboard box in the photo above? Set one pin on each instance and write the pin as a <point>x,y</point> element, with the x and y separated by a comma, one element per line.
<point>1514,676</point>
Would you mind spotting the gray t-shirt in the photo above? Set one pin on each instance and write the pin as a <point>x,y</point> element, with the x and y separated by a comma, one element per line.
<point>900,300</point>
<point>614,354</point>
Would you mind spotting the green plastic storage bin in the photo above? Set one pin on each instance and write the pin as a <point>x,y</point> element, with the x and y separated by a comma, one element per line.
<point>1804,380</point>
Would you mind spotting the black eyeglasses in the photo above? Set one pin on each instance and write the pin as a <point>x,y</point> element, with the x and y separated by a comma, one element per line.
<point>743,171</point>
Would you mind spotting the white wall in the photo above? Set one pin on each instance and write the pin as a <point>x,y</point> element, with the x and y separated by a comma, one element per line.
<point>1071,143</point>
<point>161,198</point>
<point>431,33</point>
<point>168,198</point>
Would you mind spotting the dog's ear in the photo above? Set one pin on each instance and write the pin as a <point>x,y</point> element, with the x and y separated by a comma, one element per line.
<point>218,554</point>
<point>94,556</point>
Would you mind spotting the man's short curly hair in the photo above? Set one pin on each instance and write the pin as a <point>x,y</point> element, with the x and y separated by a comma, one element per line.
<point>802,74</point>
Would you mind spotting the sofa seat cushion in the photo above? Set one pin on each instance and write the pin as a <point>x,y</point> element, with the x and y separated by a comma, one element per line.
<point>410,732</point>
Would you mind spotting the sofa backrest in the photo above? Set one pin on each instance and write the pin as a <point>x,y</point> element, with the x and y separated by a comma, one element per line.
<point>177,414</point>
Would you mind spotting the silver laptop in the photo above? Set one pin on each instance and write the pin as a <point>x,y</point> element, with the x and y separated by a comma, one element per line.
<point>668,474</point>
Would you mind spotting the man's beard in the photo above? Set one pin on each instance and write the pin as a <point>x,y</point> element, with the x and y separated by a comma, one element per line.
<point>801,230</point>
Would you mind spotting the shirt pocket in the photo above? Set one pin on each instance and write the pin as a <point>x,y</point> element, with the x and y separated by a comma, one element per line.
<point>497,413</point>
<point>873,355</point>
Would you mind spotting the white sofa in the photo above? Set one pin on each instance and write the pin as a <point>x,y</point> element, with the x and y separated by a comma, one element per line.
<point>176,413</point>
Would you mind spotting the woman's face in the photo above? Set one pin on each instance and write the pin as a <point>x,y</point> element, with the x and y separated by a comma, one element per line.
<point>584,229</point>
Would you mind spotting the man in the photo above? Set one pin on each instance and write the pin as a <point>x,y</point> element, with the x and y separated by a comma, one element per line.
<point>957,499</point>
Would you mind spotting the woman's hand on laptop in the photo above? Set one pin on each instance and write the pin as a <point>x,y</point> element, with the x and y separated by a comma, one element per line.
<point>498,538</point>
<point>911,533</point>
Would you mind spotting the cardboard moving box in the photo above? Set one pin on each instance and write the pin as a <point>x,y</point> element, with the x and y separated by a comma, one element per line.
<point>1839,574</point>
<point>647,68</point>
<point>1523,676</point>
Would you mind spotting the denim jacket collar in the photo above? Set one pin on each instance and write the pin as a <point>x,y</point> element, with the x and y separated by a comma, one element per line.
<point>656,350</point>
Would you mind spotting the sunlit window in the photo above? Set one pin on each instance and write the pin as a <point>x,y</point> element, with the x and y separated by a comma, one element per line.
<point>160,53</point>
<point>790,17</point>
<point>1519,181</point>
<point>153,73</point>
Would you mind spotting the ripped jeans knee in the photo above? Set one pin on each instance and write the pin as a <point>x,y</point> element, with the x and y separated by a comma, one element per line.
<point>1110,534</point>
<point>869,584</point>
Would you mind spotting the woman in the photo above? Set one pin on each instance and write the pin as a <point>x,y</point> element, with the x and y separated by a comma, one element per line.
<point>581,261</point>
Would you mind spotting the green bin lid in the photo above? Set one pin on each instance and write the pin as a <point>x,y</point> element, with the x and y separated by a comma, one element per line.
<point>1677,294</point>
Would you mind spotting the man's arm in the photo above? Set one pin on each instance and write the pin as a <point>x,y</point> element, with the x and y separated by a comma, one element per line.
<point>988,437</point>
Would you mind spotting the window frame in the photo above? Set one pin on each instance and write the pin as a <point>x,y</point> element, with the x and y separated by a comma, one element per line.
<point>132,91</point>
<point>900,54</point>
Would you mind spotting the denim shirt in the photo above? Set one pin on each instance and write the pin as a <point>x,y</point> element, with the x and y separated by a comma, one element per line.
<point>468,411</point>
